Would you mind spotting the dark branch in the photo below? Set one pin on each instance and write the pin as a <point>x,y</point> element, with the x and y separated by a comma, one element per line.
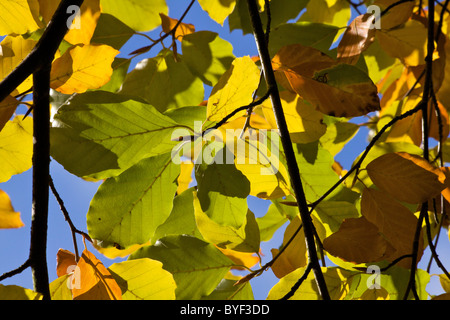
<point>291,162</point>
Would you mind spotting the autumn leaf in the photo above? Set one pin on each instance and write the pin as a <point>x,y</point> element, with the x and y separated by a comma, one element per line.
<point>65,262</point>
<point>336,89</point>
<point>218,10</point>
<point>169,23</point>
<point>9,219</point>
<point>357,38</point>
<point>357,241</point>
<point>7,108</point>
<point>82,67</point>
<point>407,177</point>
<point>19,17</point>
<point>95,281</point>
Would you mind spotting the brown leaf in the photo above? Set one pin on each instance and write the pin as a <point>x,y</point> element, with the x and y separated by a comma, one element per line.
<point>357,241</point>
<point>356,39</point>
<point>407,177</point>
<point>395,222</point>
<point>183,29</point>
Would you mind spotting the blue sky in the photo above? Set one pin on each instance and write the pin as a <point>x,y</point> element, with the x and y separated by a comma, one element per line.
<point>77,193</point>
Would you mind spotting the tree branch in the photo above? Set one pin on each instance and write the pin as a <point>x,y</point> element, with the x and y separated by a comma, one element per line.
<point>41,167</point>
<point>291,162</point>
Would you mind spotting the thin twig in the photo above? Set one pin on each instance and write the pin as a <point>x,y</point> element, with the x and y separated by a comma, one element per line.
<point>17,271</point>
<point>299,282</point>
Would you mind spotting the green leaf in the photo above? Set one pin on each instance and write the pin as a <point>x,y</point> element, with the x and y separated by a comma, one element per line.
<point>207,55</point>
<point>315,164</point>
<point>244,238</point>
<point>181,219</point>
<point>197,267</point>
<point>316,35</point>
<point>332,213</point>
<point>271,222</point>
<point>140,15</point>
<point>120,69</point>
<point>223,191</point>
<point>168,83</point>
<point>143,279</point>
<point>281,12</point>
<point>102,124</point>
<point>228,290</point>
<point>18,293</point>
<point>337,135</point>
<point>127,209</point>
<point>111,31</point>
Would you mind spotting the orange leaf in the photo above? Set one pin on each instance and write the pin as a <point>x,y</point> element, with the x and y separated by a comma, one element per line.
<point>247,259</point>
<point>183,29</point>
<point>356,39</point>
<point>65,262</point>
<point>407,177</point>
<point>96,282</point>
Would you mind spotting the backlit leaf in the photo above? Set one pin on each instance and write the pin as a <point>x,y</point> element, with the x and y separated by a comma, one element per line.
<point>295,256</point>
<point>169,83</point>
<point>197,266</point>
<point>7,108</point>
<point>16,147</point>
<point>127,209</point>
<point>143,279</point>
<point>19,17</point>
<point>95,281</point>
<point>140,15</point>
<point>218,10</point>
<point>357,38</point>
<point>357,241</point>
<point>234,89</point>
<point>13,50</point>
<point>407,43</point>
<point>407,177</point>
<point>9,219</point>
<point>336,89</point>
<point>13,293</point>
<point>207,55</point>
<point>169,23</point>
<point>83,67</point>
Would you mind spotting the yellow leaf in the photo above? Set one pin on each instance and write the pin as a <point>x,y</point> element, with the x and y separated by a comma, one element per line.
<point>95,281</point>
<point>12,51</point>
<point>89,14</point>
<point>7,108</point>
<point>218,10</point>
<point>183,29</point>
<point>16,147</point>
<point>83,67</point>
<point>357,38</point>
<point>375,294</point>
<point>234,89</point>
<point>304,122</point>
<point>407,43</point>
<point>247,259</point>
<point>397,15</point>
<point>295,255</point>
<point>407,177</point>
<point>185,177</point>
<point>113,253</point>
<point>9,219</point>
<point>19,17</point>
<point>257,157</point>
